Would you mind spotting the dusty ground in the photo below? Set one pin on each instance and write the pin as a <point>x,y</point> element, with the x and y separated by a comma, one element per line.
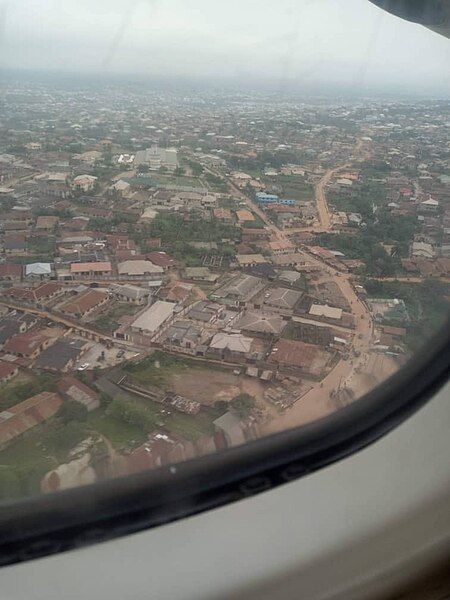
<point>378,368</point>
<point>207,386</point>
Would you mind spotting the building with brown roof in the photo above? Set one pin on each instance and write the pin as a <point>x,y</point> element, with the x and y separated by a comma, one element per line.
<point>91,269</point>
<point>7,371</point>
<point>85,303</point>
<point>74,389</point>
<point>27,414</point>
<point>161,259</point>
<point>10,271</point>
<point>42,292</point>
<point>27,345</point>
<point>291,353</point>
<point>160,449</point>
<point>47,222</point>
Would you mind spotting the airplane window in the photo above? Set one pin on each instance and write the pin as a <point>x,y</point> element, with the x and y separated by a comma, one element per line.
<point>218,222</point>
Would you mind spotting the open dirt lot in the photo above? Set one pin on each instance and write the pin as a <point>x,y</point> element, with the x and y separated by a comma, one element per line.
<point>207,385</point>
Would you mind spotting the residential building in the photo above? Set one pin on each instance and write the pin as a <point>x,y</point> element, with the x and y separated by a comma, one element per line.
<point>239,290</point>
<point>135,269</point>
<point>71,388</point>
<point>282,298</point>
<point>61,356</point>
<point>91,269</point>
<point>27,414</point>
<point>84,183</point>
<point>85,303</point>
<point>130,293</point>
<point>153,318</point>
<point>27,345</point>
<point>230,346</point>
<point>39,270</point>
<point>7,371</point>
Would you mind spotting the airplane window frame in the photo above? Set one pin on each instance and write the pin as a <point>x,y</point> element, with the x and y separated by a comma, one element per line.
<point>64,520</point>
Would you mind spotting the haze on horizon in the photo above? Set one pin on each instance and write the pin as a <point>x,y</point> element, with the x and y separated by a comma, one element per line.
<point>300,42</point>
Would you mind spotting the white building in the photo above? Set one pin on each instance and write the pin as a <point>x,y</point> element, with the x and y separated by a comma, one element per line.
<point>155,158</point>
<point>151,320</point>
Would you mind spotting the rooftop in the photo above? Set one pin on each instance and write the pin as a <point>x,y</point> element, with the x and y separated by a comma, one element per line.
<point>152,318</point>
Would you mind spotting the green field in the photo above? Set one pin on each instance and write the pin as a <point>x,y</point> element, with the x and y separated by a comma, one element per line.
<point>180,180</point>
<point>117,432</point>
<point>145,372</point>
<point>24,462</point>
<point>24,386</point>
<point>295,187</point>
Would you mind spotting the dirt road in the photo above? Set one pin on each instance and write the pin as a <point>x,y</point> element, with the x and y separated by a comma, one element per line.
<point>323,212</point>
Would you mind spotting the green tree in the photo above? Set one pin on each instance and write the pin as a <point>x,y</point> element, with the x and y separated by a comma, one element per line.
<point>243,404</point>
<point>72,410</point>
<point>105,399</point>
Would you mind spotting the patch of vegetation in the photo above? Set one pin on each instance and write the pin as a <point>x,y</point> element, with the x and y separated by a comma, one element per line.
<point>365,247</point>
<point>295,187</point>
<point>368,195</point>
<point>43,246</point>
<point>24,387</point>
<point>173,228</point>
<point>117,431</point>
<point>25,461</point>
<point>190,427</point>
<point>109,321</point>
<point>243,405</point>
<point>427,304</point>
<point>145,372</point>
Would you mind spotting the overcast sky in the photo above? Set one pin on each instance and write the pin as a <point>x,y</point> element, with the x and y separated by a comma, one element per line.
<point>348,42</point>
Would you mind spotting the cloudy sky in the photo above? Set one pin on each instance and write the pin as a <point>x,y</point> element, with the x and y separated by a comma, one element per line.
<point>345,42</point>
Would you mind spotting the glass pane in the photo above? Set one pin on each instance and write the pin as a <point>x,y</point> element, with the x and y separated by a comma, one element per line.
<point>218,221</point>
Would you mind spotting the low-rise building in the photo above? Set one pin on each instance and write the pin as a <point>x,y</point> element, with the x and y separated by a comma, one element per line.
<point>325,311</point>
<point>282,298</point>
<point>205,312</point>
<point>71,388</point>
<point>7,371</point>
<point>91,269</point>
<point>183,334</point>
<point>260,323</point>
<point>130,293</point>
<point>27,345</point>
<point>153,318</point>
<point>135,269</point>
<point>10,271</point>
<point>27,414</point>
<point>239,290</point>
<point>230,346</point>
<point>38,294</point>
<point>85,303</point>
<point>39,270</point>
<point>249,260</point>
<point>85,183</point>
<point>61,356</point>
<point>200,274</point>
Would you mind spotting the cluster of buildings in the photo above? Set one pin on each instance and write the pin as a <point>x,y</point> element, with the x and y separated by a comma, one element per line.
<point>191,227</point>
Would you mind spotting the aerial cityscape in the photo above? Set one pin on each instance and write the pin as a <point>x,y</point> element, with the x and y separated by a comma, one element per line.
<point>183,272</point>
